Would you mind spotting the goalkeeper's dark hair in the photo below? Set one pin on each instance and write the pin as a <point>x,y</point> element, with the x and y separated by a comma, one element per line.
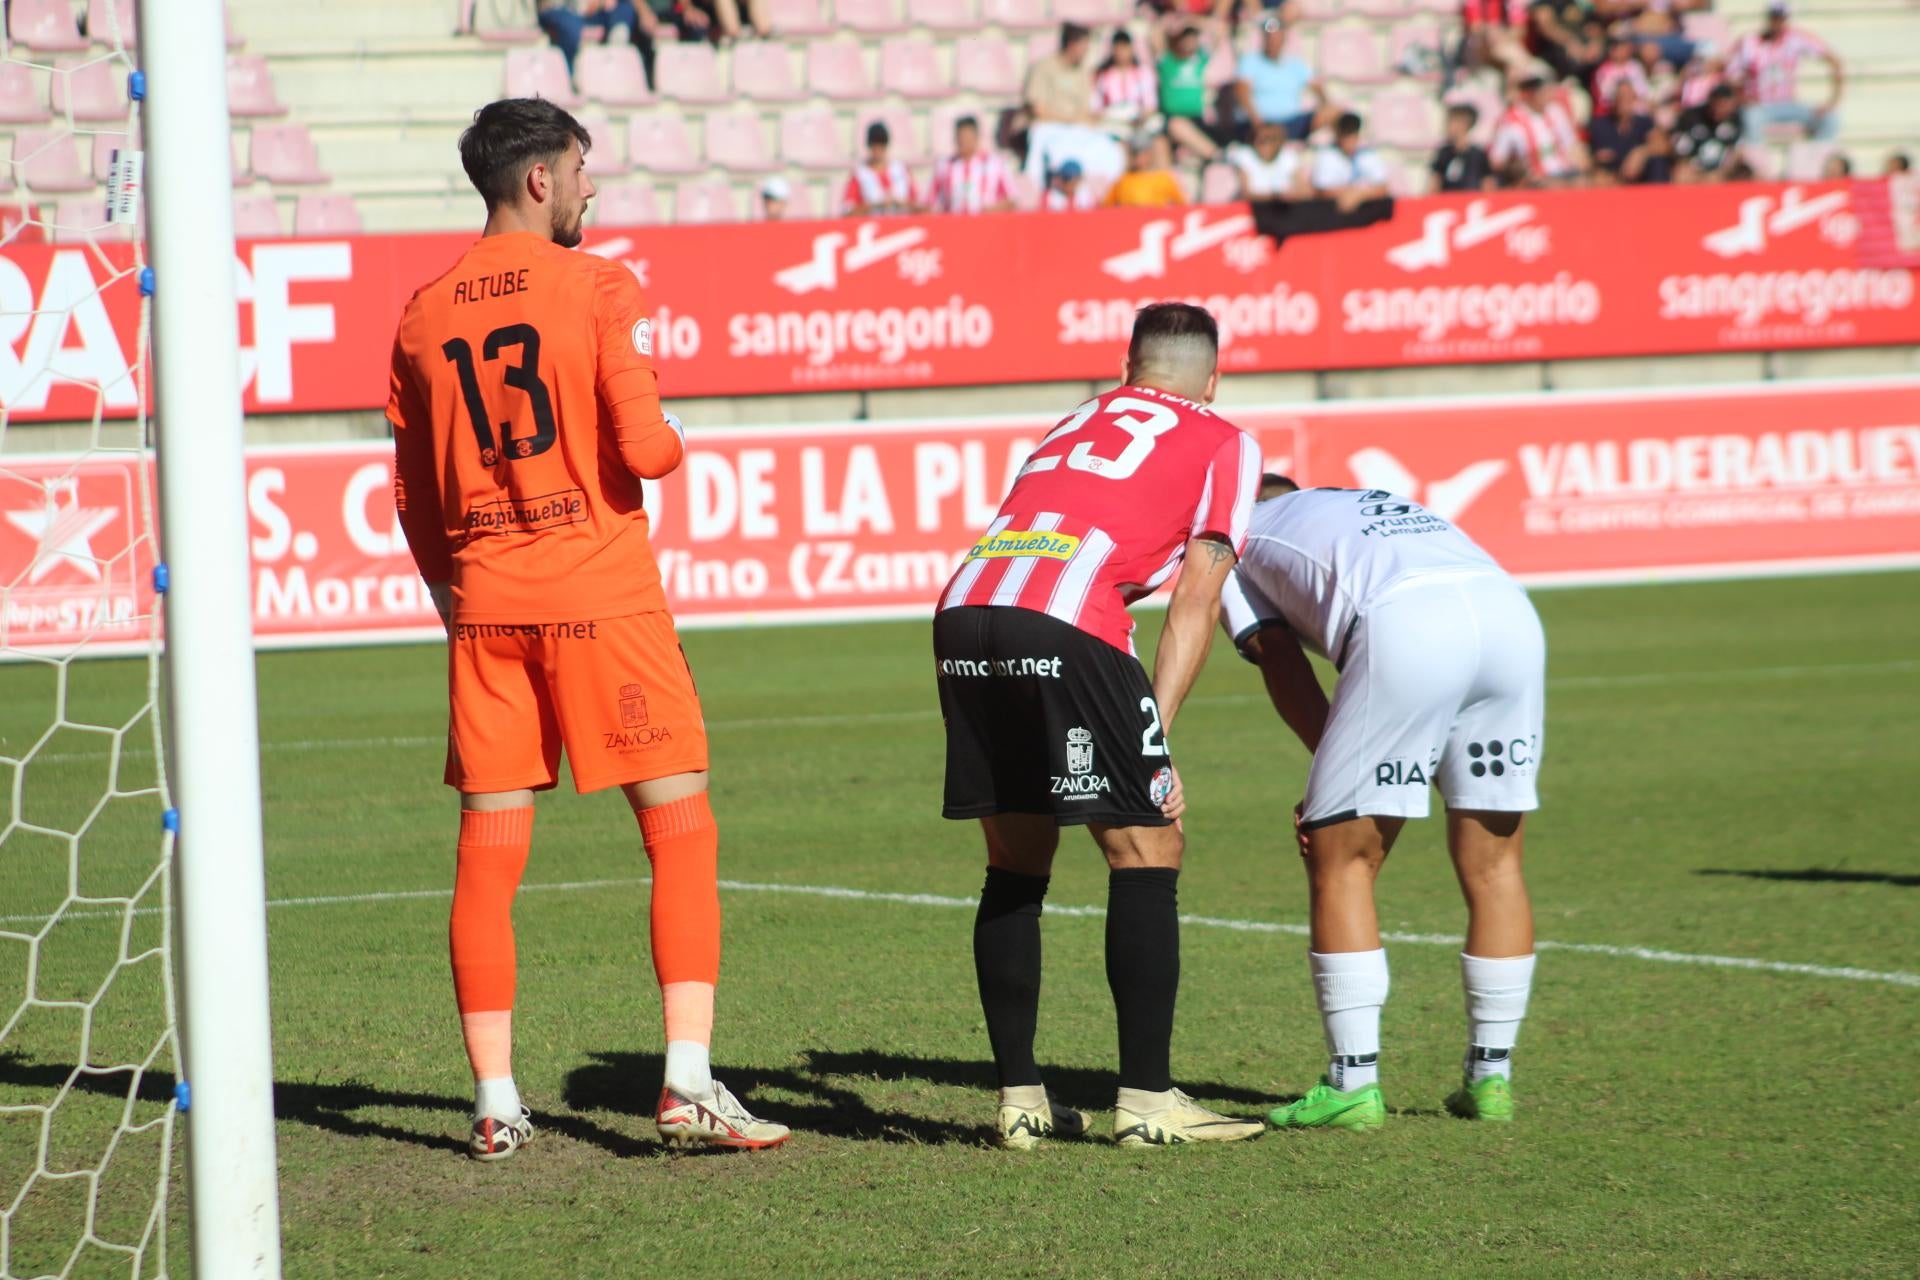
<point>509,136</point>
<point>1167,335</point>
<point>1275,485</point>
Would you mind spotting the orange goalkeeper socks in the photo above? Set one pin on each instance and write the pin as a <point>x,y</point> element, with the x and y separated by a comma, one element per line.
<point>492,858</point>
<point>683,844</point>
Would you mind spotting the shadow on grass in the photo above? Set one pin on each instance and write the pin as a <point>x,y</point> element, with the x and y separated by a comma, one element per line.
<point>622,1083</point>
<point>1819,875</point>
<point>1082,1087</point>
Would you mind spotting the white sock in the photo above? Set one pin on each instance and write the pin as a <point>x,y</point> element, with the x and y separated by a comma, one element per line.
<point>1143,1102</point>
<point>1497,993</point>
<point>496,1099</point>
<point>689,1071</point>
<point>1028,1097</point>
<point>1351,987</point>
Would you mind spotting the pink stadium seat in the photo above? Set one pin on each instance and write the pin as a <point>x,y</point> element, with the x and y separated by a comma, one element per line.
<point>48,160</point>
<point>1042,44</point>
<point>83,220</point>
<point>1027,193</point>
<point>1219,184</point>
<point>838,70</point>
<point>20,100</point>
<point>44,25</point>
<point>812,140</point>
<point>92,91</point>
<point>1380,8</point>
<point>911,68</point>
<point>944,15</point>
<point>709,201</point>
<point>903,124</point>
<point>736,140</point>
<point>104,145</point>
<point>1090,13</point>
<point>1016,15</point>
<point>763,72</point>
<point>1402,180</point>
<point>257,217</point>
<point>689,73</point>
<point>1411,36</point>
<point>1324,10</point>
<point>333,214</point>
<point>540,73</point>
<point>625,206</point>
<point>604,157</point>
<point>1352,53</point>
<point>868,16</point>
<point>799,17</point>
<point>102,17</point>
<point>1806,159</point>
<point>250,87</point>
<point>984,65</point>
<point>660,144</point>
<point>1404,118</point>
<point>1709,28</point>
<point>284,153</point>
<point>1447,8</point>
<point>612,74</point>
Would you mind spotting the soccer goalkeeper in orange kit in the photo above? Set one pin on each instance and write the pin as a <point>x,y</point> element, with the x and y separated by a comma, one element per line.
<point>525,416</point>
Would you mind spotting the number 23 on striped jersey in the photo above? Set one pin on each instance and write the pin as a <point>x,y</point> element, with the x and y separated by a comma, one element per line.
<point>1142,420</point>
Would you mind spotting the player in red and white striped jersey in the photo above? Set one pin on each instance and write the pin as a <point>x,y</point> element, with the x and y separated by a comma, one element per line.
<point>1767,64</point>
<point>972,179</point>
<point>1051,720</point>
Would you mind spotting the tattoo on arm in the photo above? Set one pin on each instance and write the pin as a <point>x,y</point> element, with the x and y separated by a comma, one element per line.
<point>1219,551</point>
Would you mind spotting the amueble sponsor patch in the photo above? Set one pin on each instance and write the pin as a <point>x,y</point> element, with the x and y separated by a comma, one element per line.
<point>1000,546</point>
<point>529,515</point>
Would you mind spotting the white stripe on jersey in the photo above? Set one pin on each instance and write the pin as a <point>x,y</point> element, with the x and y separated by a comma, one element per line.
<point>1251,467</point>
<point>1015,580</point>
<point>1165,571</point>
<point>970,573</point>
<point>1206,504</point>
<point>1070,593</point>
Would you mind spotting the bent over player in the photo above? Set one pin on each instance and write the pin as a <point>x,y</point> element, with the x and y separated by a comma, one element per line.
<point>1442,679</point>
<point>525,415</point>
<point>1050,718</point>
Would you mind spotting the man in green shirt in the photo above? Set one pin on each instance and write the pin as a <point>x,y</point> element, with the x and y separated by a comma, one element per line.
<point>1183,96</point>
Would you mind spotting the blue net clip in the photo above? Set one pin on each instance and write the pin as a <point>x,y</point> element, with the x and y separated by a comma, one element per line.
<point>170,821</point>
<point>146,282</point>
<point>161,578</point>
<point>182,1097</point>
<point>137,86</point>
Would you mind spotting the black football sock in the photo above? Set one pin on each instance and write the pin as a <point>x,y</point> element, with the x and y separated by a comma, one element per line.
<point>1143,970</point>
<point>1006,960</point>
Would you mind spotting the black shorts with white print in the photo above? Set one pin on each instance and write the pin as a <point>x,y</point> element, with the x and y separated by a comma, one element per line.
<point>1043,718</point>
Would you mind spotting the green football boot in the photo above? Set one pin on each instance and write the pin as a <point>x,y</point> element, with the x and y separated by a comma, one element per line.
<point>1488,1098</point>
<point>1326,1107</point>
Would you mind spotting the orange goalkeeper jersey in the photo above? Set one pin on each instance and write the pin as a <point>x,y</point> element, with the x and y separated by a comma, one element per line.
<point>525,413</point>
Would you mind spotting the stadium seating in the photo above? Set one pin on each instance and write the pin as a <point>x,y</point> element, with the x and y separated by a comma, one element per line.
<point>763,72</point>
<point>606,157</point>
<point>870,17</point>
<point>812,139</point>
<point>1219,183</point>
<point>92,91</point>
<point>689,73</point>
<point>985,65</point>
<point>540,73</point>
<point>104,145</point>
<point>944,15</point>
<point>711,200</point>
<point>625,206</point>
<point>250,87</point>
<point>20,99</point>
<point>660,144</point>
<point>1016,15</point>
<point>1352,53</point>
<point>285,155</point>
<point>798,17</point>
<point>737,142</point>
<point>329,214</point>
<point>911,68</point>
<point>257,216</point>
<point>108,18</point>
<point>837,69</point>
<point>48,160</point>
<point>611,75</point>
<point>45,26</point>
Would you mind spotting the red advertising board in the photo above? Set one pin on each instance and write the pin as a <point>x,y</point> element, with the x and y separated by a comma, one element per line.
<point>863,520</point>
<point>904,302</point>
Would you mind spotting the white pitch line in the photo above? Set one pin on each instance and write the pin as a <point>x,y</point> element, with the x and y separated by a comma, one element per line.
<point>1653,954</point>
<point>825,720</point>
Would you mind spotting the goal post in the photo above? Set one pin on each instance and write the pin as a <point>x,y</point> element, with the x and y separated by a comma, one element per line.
<point>214,769</point>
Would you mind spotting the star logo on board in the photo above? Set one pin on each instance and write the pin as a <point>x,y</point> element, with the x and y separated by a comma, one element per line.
<point>63,529</point>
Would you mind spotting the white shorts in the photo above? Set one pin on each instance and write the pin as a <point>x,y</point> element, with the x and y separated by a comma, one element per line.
<point>1443,683</point>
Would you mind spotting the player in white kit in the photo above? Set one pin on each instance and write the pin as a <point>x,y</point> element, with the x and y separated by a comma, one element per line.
<point>1442,682</point>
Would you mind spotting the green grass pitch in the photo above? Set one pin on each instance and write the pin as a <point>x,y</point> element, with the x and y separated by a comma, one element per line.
<point>1731,770</point>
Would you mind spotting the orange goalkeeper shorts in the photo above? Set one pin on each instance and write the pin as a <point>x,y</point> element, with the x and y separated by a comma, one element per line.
<point>615,692</point>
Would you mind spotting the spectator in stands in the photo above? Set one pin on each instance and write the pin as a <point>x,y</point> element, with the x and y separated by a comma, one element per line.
<point>718,20</point>
<point>1494,34</point>
<point>973,179</point>
<point>1067,189</point>
<point>1622,64</point>
<point>1898,165</point>
<point>1663,81</point>
<point>1619,141</point>
<point>775,194</point>
<point>1706,141</point>
<point>1658,22</point>
<point>1536,143</point>
<point>1149,181</point>
<point>1345,171</point>
<point>1562,34</point>
<point>1270,169</point>
<point>1767,63</point>
<point>567,22</point>
<point>879,184</point>
<point>1461,164</point>
<point>1274,87</point>
<point>1126,91</point>
<point>1837,167</point>
<point>1700,78</point>
<point>1183,95</point>
<point>1060,87</point>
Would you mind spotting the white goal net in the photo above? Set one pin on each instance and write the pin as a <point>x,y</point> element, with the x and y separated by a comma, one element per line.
<point>88,1038</point>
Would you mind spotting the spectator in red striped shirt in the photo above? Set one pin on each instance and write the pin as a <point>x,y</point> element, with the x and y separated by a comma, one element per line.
<point>1126,92</point>
<point>1536,143</point>
<point>1621,65</point>
<point>879,185</point>
<point>972,179</point>
<point>1767,64</point>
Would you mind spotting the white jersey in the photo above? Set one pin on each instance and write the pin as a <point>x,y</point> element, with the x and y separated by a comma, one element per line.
<point>1319,558</point>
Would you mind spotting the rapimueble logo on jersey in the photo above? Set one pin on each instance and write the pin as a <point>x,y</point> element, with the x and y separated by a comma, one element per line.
<point>1080,782</point>
<point>643,337</point>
